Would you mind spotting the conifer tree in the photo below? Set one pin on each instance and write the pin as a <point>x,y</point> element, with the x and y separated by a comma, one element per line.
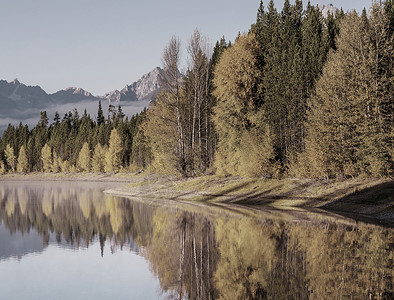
<point>84,158</point>
<point>346,127</point>
<point>100,115</point>
<point>112,157</point>
<point>10,158</point>
<point>23,163</point>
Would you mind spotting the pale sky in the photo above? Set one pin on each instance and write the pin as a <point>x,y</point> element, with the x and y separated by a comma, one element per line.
<point>102,45</point>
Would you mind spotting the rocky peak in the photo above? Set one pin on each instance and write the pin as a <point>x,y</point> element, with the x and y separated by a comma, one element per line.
<point>325,9</point>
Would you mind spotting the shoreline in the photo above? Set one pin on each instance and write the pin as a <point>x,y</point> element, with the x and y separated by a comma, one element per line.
<point>370,197</point>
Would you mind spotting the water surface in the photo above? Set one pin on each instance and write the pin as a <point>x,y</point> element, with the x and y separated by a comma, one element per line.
<point>72,241</point>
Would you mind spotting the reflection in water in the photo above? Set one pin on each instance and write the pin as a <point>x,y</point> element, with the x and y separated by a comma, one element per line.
<point>208,255</point>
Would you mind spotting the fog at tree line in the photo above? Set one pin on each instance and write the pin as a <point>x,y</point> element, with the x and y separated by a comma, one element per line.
<point>298,95</point>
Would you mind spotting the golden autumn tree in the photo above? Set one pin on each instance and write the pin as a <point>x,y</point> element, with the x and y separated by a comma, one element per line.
<point>46,157</point>
<point>23,163</point>
<point>10,157</point>
<point>245,143</point>
<point>98,159</point>
<point>113,161</point>
<point>84,158</point>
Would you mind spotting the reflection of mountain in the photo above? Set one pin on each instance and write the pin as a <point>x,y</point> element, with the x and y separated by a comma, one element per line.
<point>238,254</point>
<point>18,244</point>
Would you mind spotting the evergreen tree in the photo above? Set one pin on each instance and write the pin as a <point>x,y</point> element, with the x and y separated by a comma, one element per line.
<point>346,130</point>
<point>100,115</point>
<point>56,118</point>
<point>23,163</point>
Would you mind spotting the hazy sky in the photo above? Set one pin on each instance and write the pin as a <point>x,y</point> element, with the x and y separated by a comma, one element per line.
<point>102,45</point>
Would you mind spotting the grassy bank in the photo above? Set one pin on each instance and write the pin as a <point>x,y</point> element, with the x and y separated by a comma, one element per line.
<point>372,197</point>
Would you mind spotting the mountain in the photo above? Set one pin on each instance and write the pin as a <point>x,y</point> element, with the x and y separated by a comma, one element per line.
<point>19,102</point>
<point>72,95</point>
<point>325,9</point>
<point>146,88</point>
<point>17,98</point>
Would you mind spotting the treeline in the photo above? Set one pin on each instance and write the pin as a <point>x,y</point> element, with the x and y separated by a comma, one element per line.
<point>299,95</point>
<point>72,144</point>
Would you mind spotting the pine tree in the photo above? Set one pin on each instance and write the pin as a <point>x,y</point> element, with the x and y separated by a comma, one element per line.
<point>46,157</point>
<point>346,134</point>
<point>10,158</point>
<point>112,157</point>
<point>56,118</point>
<point>23,163</point>
<point>84,158</point>
<point>100,115</point>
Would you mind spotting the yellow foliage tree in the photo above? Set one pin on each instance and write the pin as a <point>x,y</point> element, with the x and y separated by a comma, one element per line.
<point>245,146</point>
<point>84,159</point>
<point>112,158</point>
<point>23,163</point>
<point>10,157</point>
<point>98,159</point>
<point>46,157</point>
<point>161,131</point>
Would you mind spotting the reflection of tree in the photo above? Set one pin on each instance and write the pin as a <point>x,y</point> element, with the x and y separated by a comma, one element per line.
<point>198,256</point>
<point>246,256</point>
<point>344,262</point>
<point>294,261</point>
<point>75,214</point>
<point>183,254</point>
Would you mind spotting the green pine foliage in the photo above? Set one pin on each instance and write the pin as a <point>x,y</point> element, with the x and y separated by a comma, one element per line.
<point>66,137</point>
<point>299,95</point>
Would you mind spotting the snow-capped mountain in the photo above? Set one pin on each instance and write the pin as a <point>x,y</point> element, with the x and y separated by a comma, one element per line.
<point>325,9</point>
<point>72,95</point>
<point>19,102</point>
<point>146,88</point>
<point>18,99</point>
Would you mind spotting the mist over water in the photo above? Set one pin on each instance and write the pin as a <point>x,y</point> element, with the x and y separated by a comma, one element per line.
<point>32,116</point>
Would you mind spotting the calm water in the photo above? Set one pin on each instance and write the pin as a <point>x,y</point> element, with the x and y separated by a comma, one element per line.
<point>72,241</point>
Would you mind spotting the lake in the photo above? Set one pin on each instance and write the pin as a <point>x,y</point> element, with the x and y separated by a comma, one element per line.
<point>72,241</point>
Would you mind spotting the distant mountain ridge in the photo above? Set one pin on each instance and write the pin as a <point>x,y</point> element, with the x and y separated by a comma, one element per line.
<point>145,88</point>
<point>16,95</point>
<point>23,103</point>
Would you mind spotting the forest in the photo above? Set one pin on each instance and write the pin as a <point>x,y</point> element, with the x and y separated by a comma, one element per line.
<point>299,95</point>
